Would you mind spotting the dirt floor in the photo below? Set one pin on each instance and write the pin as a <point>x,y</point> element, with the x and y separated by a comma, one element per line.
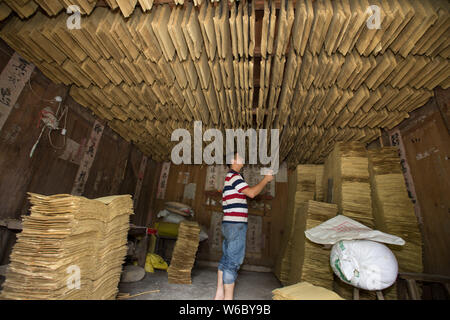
<point>249,286</point>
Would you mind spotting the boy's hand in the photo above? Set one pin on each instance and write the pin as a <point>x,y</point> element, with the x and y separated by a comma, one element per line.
<point>269,176</point>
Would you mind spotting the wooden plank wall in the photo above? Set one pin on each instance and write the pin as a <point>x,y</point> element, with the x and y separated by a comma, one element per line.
<point>427,145</point>
<point>273,221</point>
<point>114,170</point>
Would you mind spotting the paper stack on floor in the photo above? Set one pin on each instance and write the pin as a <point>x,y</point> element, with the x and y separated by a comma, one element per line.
<point>302,187</point>
<point>304,291</point>
<point>65,239</point>
<point>183,256</point>
<point>347,166</point>
<point>393,210</point>
<point>309,261</point>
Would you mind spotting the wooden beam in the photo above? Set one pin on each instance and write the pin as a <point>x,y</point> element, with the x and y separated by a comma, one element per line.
<point>424,277</point>
<point>12,224</point>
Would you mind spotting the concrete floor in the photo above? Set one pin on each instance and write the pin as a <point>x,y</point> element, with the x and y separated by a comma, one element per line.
<point>249,286</point>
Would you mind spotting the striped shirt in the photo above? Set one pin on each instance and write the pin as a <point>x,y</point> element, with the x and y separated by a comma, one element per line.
<point>234,202</point>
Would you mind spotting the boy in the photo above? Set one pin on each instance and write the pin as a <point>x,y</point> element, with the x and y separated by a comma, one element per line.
<point>234,226</point>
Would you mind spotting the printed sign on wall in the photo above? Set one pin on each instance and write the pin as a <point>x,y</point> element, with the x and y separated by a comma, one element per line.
<point>215,177</point>
<point>162,185</point>
<point>254,234</point>
<point>73,151</point>
<point>12,81</point>
<point>252,175</point>
<point>183,177</point>
<point>88,158</point>
<point>215,230</point>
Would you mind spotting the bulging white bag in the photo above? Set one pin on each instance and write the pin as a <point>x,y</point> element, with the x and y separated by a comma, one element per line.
<point>364,264</point>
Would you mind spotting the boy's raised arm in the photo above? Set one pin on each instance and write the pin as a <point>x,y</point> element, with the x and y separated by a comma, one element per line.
<point>252,192</point>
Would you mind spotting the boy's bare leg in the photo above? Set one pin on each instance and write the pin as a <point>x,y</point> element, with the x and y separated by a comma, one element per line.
<point>220,290</point>
<point>229,291</point>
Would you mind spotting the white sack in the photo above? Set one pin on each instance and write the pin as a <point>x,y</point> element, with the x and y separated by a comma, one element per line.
<point>343,228</point>
<point>364,264</point>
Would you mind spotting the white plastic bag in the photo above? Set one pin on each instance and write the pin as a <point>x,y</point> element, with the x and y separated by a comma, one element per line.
<point>364,264</point>
<point>173,218</point>
<point>344,228</point>
<point>168,216</point>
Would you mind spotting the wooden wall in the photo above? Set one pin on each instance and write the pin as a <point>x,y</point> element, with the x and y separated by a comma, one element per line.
<point>427,144</point>
<point>273,220</point>
<point>114,170</point>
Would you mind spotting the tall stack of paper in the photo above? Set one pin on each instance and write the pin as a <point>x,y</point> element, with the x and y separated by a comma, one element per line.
<point>302,187</point>
<point>309,261</point>
<point>393,210</point>
<point>70,248</point>
<point>183,256</point>
<point>347,166</point>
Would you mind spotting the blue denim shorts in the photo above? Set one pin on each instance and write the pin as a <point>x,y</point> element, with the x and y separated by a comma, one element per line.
<point>233,250</point>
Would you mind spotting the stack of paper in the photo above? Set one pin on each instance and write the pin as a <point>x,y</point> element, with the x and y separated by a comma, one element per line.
<point>393,210</point>
<point>347,166</point>
<point>183,256</point>
<point>304,291</point>
<point>310,261</point>
<point>70,248</point>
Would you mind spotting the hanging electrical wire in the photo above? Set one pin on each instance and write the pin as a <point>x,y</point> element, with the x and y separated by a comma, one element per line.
<point>51,121</point>
<point>35,94</point>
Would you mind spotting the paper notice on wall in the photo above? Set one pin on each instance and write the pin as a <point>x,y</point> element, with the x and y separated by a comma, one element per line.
<point>183,177</point>
<point>254,234</point>
<point>215,177</point>
<point>211,176</point>
<point>282,176</point>
<point>189,191</point>
<point>73,151</point>
<point>164,176</point>
<point>12,81</point>
<point>252,175</point>
<point>90,151</point>
<point>215,231</point>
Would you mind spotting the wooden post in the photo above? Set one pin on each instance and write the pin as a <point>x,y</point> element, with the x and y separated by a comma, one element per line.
<point>355,294</point>
<point>380,295</point>
<point>412,289</point>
